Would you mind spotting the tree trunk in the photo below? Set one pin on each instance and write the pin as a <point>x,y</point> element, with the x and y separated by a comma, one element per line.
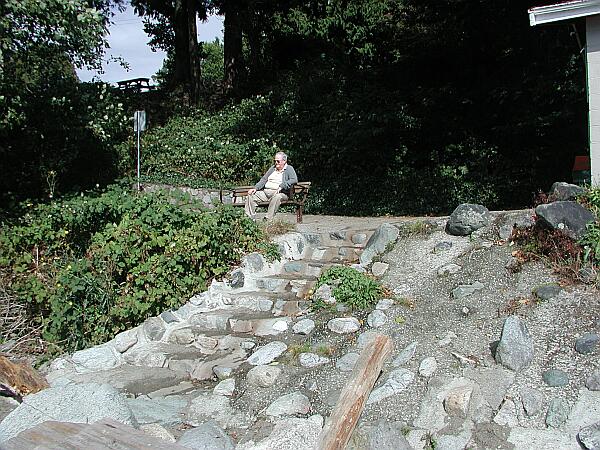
<point>193,54</point>
<point>180,28</point>
<point>232,37</point>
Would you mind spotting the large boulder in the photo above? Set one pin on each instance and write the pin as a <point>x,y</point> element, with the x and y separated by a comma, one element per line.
<point>378,242</point>
<point>565,191</point>
<point>570,217</point>
<point>77,403</point>
<point>467,218</point>
<point>515,349</point>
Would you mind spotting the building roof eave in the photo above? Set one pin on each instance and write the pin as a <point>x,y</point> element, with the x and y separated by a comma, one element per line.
<point>563,11</point>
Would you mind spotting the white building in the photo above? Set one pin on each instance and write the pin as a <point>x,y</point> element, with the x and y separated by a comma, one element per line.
<point>590,9</point>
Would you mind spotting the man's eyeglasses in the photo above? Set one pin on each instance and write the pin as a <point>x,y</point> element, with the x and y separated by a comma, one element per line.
<point>277,160</point>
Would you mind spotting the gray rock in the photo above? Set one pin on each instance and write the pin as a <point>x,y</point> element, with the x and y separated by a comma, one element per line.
<point>267,353</point>
<point>323,292</point>
<point>376,319</point>
<point>565,191</point>
<point>222,372</point>
<point>292,267</point>
<point>592,382</point>
<point>311,360</point>
<point>507,415</point>
<point>547,292</point>
<point>382,435</point>
<point>237,279</point>
<point>158,431</point>
<point>208,436</point>
<point>169,317</point>
<point>304,326</point>
<point>384,304</point>
<point>555,378</point>
<point>570,217</point>
<point>590,436</point>
<point>365,338</point>
<point>449,269</point>
<point>225,387</point>
<point>289,405</point>
<point>359,238</point>
<point>254,261</point>
<point>133,380</point>
<point>514,220</point>
<point>532,400</point>
<point>80,403</point>
<point>125,340</point>
<point>263,376</point>
<point>344,325</point>
<point>337,235</point>
<point>166,411</point>
<point>441,247</point>
<point>312,238</point>
<point>347,362</point>
<point>154,328</point>
<point>405,355</point>
<point>101,357</point>
<point>467,218</point>
<point>379,269</point>
<point>515,349</point>
<point>398,381</point>
<point>215,407</point>
<point>557,414</point>
<point>457,400</point>
<point>587,343</point>
<point>378,242</point>
<point>428,367</point>
<point>290,434</point>
<point>182,336</point>
<point>464,290</point>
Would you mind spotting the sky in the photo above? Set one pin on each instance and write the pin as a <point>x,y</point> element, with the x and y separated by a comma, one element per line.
<point>128,40</point>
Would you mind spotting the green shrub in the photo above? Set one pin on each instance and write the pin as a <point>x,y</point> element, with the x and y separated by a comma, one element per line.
<point>94,265</point>
<point>350,287</point>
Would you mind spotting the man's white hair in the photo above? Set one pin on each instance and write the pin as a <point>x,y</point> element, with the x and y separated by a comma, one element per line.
<point>283,155</point>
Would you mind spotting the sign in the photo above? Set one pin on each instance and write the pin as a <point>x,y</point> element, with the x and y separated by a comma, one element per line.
<point>139,121</point>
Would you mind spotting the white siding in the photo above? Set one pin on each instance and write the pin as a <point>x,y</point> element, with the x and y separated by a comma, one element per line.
<point>593,79</point>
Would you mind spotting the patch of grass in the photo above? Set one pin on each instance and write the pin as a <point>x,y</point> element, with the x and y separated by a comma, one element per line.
<point>418,228</point>
<point>296,349</point>
<point>350,287</point>
<point>400,320</point>
<point>277,227</point>
<point>324,350</point>
<point>515,304</point>
<point>405,301</point>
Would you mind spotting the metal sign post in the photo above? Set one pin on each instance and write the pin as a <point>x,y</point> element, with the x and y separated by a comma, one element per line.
<point>139,125</point>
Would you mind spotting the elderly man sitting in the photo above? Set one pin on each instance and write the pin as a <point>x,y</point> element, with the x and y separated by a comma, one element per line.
<point>274,187</point>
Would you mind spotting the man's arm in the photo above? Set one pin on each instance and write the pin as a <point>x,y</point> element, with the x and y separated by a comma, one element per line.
<point>290,178</point>
<point>261,184</point>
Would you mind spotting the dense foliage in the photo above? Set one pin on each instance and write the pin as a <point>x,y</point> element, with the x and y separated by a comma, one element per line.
<point>349,287</point>
<point>93,265</point>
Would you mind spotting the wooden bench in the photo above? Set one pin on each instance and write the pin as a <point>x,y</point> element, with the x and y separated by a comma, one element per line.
<point>297,197</point>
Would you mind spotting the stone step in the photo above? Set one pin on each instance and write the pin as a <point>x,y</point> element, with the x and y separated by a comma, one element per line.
<point>348,238</point>
<point>334,254</point>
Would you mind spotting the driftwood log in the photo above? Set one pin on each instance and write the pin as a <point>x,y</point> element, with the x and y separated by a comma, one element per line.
<point>18,379</point>
<point>347,411</point>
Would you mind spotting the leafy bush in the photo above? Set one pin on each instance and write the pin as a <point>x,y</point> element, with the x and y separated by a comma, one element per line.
<point>351,287</point>
<point>94,265</point>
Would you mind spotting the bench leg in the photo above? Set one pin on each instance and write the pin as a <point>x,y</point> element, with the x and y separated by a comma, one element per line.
<point>299,214</point>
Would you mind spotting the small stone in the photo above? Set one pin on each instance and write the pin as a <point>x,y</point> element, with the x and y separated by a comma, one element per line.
<point>457,401</point>
<point>365,338</point>
<point>169,317</point>
<point>590,436</point>
<point>225,387</point>
<point>557,414</point>
<point>222,372</point>
<point>555,378</point>
<point>311,360</point>
<point>405,355</point>
<point>359,238</point>
<point>547,291</point>
<point>311,385</point>
<point>267,353</point>
<point>207,436</point>
<point>323,292</point>
<point>376,319</point>
<point>344,325</point>
<point>465,290</point>
<point>263,376</point>
<point>154,328</point>
<point>379,269</point>
<point>428,367</point>
<point>292,267</point>
<point>384,304</point>
<point>289,405</point>
<point>592,382</point>
<point>280,326</point>
<point>507,415</point>
<point>532,400</point>
<point>587,343</point>
<point>398,381</point>
<point>449,269</point>
<point>447,340</point>
<point>304,326</point>
<point>515,348</point>
<point>441,247</point>
<point>465,311</point>
<point>347,362</point>
<point>237,279</point>
<point>337,235</point>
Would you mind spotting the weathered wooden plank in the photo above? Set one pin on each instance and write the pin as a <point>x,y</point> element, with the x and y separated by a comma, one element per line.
<point>102,435</point>
<point>347,411</point>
